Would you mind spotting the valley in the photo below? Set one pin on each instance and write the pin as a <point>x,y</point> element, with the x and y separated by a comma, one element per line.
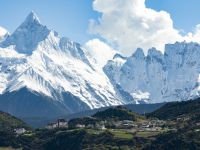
<point>99,75</point>
<point>114,128</point>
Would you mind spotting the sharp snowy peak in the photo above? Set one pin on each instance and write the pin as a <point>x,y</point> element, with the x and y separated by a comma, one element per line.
<point>36,58</point>
<point>27,35</point>
<point>159,77</point>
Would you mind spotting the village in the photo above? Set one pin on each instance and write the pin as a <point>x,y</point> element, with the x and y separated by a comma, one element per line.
<point>147,125</point>
<point>114,119</point>
<point>144,125</point>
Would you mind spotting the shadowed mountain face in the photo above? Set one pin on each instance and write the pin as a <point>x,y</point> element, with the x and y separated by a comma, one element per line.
<point>25,103</point>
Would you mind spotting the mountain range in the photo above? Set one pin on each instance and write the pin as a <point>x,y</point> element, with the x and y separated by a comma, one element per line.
<point>43,74</point>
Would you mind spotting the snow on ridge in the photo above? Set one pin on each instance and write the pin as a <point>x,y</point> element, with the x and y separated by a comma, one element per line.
<point>38,59</point>
<point>50,65</point>
<point>171,76</point>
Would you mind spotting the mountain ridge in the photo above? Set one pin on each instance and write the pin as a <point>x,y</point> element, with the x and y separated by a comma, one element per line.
<point>64,75</point>
<point>37,59</point>
<point>157,77</point>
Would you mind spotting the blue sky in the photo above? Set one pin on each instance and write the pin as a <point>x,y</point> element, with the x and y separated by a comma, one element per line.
<point>70,17</point>
<point>185,13</point>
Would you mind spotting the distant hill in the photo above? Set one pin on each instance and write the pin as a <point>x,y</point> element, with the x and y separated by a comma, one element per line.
<point>7,125</point>
<point>186,136</point>
<point>137,108</point>
<point>116,113</point>
<point>9,122</point>
<point>174,109</point>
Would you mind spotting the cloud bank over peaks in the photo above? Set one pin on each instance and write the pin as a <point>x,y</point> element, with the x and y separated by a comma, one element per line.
<point>3,32</point>
<point>129,24</point>
<point>100,51</point>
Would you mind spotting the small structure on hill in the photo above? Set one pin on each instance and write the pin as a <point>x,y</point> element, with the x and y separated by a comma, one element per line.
<point>61,123</point>
<point>80,126</point>
<point>19,130</point>
<point>90,126</point>
<point>52,125</point>
<point>100,126</point>
<point>182,118</point>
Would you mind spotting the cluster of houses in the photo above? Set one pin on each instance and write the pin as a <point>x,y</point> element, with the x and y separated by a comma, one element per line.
<point>147,125</point>
<point>150,125</point>
<point>60,123</point>
<point>91,126</point>
<point>182,118</point>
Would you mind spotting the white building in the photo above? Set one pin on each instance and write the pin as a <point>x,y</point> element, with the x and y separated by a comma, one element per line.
<point>52,125</point>
<point>20,130</point>
<point>80,126</point>
<point>62,123</point>
<point>101,127</point>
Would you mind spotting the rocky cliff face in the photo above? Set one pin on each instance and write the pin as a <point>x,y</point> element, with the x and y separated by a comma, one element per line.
<point>159,77</point>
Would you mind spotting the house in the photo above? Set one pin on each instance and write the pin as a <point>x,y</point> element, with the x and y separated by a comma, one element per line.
<point>90,126</point>
<point>80,126</point>
<point>62,123</point>
<point>130,122</point>
<point>52,125</point>
<point>183,118</point>
<point>198,123</point>
<point>20,130</point>
<point>197,130</point>
<point>118,124</point>
<point>100,126</point>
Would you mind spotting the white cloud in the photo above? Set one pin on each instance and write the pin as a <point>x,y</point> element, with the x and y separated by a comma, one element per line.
<point>129,24</point>
<point>3,31</point>
<point>100,51</point>
<point>193,36</point>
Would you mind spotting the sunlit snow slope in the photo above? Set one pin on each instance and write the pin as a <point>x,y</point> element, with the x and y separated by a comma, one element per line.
<point>39,60</point>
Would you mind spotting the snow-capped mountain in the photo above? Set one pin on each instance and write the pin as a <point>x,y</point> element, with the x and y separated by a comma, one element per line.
<point>159,77</point>
<point>36,62</point>
<point>43,74</point>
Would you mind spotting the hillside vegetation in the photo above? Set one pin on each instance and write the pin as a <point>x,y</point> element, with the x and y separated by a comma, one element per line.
<point>173,110</point>
<point>9,122</point>
<point>7,125</point>
<point>180,131</point>
<point>117,113</point>
<point>186,118</point>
